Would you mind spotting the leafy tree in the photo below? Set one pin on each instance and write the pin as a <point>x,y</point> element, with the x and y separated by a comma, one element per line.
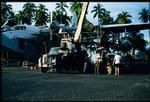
<point>144,15</point>
<point>29,10</point>
<point>124,43</point>
<point>60,7</point>
<point>64,19</point>
<point>104,18</point>
<point>41,15</point>
<point>87,26</point>
<point>19,18</point>
<point>76,7</point>
<point>123,18</point>
<point>6,11</point>
<point>99,11</point>
<point>137,41</point>
<point>103,15</point>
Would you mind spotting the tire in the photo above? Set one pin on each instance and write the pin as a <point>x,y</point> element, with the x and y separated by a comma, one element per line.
<point>44,69</point>
<point>58,70</point>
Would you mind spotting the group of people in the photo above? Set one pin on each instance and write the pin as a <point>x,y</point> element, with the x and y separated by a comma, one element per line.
<point>104,62</point>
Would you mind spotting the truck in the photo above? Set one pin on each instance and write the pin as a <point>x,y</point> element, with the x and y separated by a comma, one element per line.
<point>69,56</point>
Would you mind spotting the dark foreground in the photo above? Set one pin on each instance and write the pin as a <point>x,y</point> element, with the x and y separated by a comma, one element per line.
<point>36,86</point>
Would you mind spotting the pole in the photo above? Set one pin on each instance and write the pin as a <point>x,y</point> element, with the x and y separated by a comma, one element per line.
<point>51,16</point>
<point>2,58</point>
<point>2,54</point>
<point>45,47</point>
<point>148,21</point>
<point>99,23</point>
<point>7,58</point>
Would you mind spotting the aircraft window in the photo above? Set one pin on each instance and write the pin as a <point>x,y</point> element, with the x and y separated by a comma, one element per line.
<point>23,28</point>
<point>17,28</point>
<point>20,28</point>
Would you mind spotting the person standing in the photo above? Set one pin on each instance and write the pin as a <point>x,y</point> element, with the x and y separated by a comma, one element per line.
<point>109,67</point>
<point>97,64</point>
<point>117,63</point>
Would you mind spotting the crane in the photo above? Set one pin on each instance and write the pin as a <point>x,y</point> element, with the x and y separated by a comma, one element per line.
<point>80,23</point>
<point>70,56</point>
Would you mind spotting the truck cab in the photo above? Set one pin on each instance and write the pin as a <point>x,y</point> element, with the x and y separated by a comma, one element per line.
<point>43,63</point>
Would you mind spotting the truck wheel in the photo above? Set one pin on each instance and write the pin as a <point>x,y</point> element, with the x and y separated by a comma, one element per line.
<point>44,70</point>
<point>58,70</point>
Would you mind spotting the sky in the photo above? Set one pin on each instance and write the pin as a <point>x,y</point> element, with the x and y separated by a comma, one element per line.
<point>133,8</point>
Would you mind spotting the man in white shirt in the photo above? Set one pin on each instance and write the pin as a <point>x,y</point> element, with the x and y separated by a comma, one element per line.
<point>117,63</point>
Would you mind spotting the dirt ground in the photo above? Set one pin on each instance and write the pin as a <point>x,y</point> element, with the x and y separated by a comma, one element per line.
<point>25,85</point>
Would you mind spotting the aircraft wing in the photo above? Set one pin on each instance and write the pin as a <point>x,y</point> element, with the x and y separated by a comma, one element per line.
<point>116,28</point>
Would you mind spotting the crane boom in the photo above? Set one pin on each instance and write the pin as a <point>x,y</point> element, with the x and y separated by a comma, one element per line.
<point>80,23</point>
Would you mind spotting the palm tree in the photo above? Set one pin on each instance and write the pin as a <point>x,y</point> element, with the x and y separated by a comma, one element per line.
<point>56,14</point>
<point>144,15</point>
<point>76,7</point>
<point>140,42</point>
<point>61,8</point>
<point>123,18</point>
<point>87,26</point>
<point>19,18</point>
<point>64,18</point>
<point>137,41</point>
<point>41,15</point>
<point>6,11</point>
<point>103,15</point>
<point>29,10</point>
<point>103,18</point>
<point>106,18</point>
<point>98,11</point>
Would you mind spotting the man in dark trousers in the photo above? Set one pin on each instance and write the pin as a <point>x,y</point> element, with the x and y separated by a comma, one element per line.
<point>117,63</point>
